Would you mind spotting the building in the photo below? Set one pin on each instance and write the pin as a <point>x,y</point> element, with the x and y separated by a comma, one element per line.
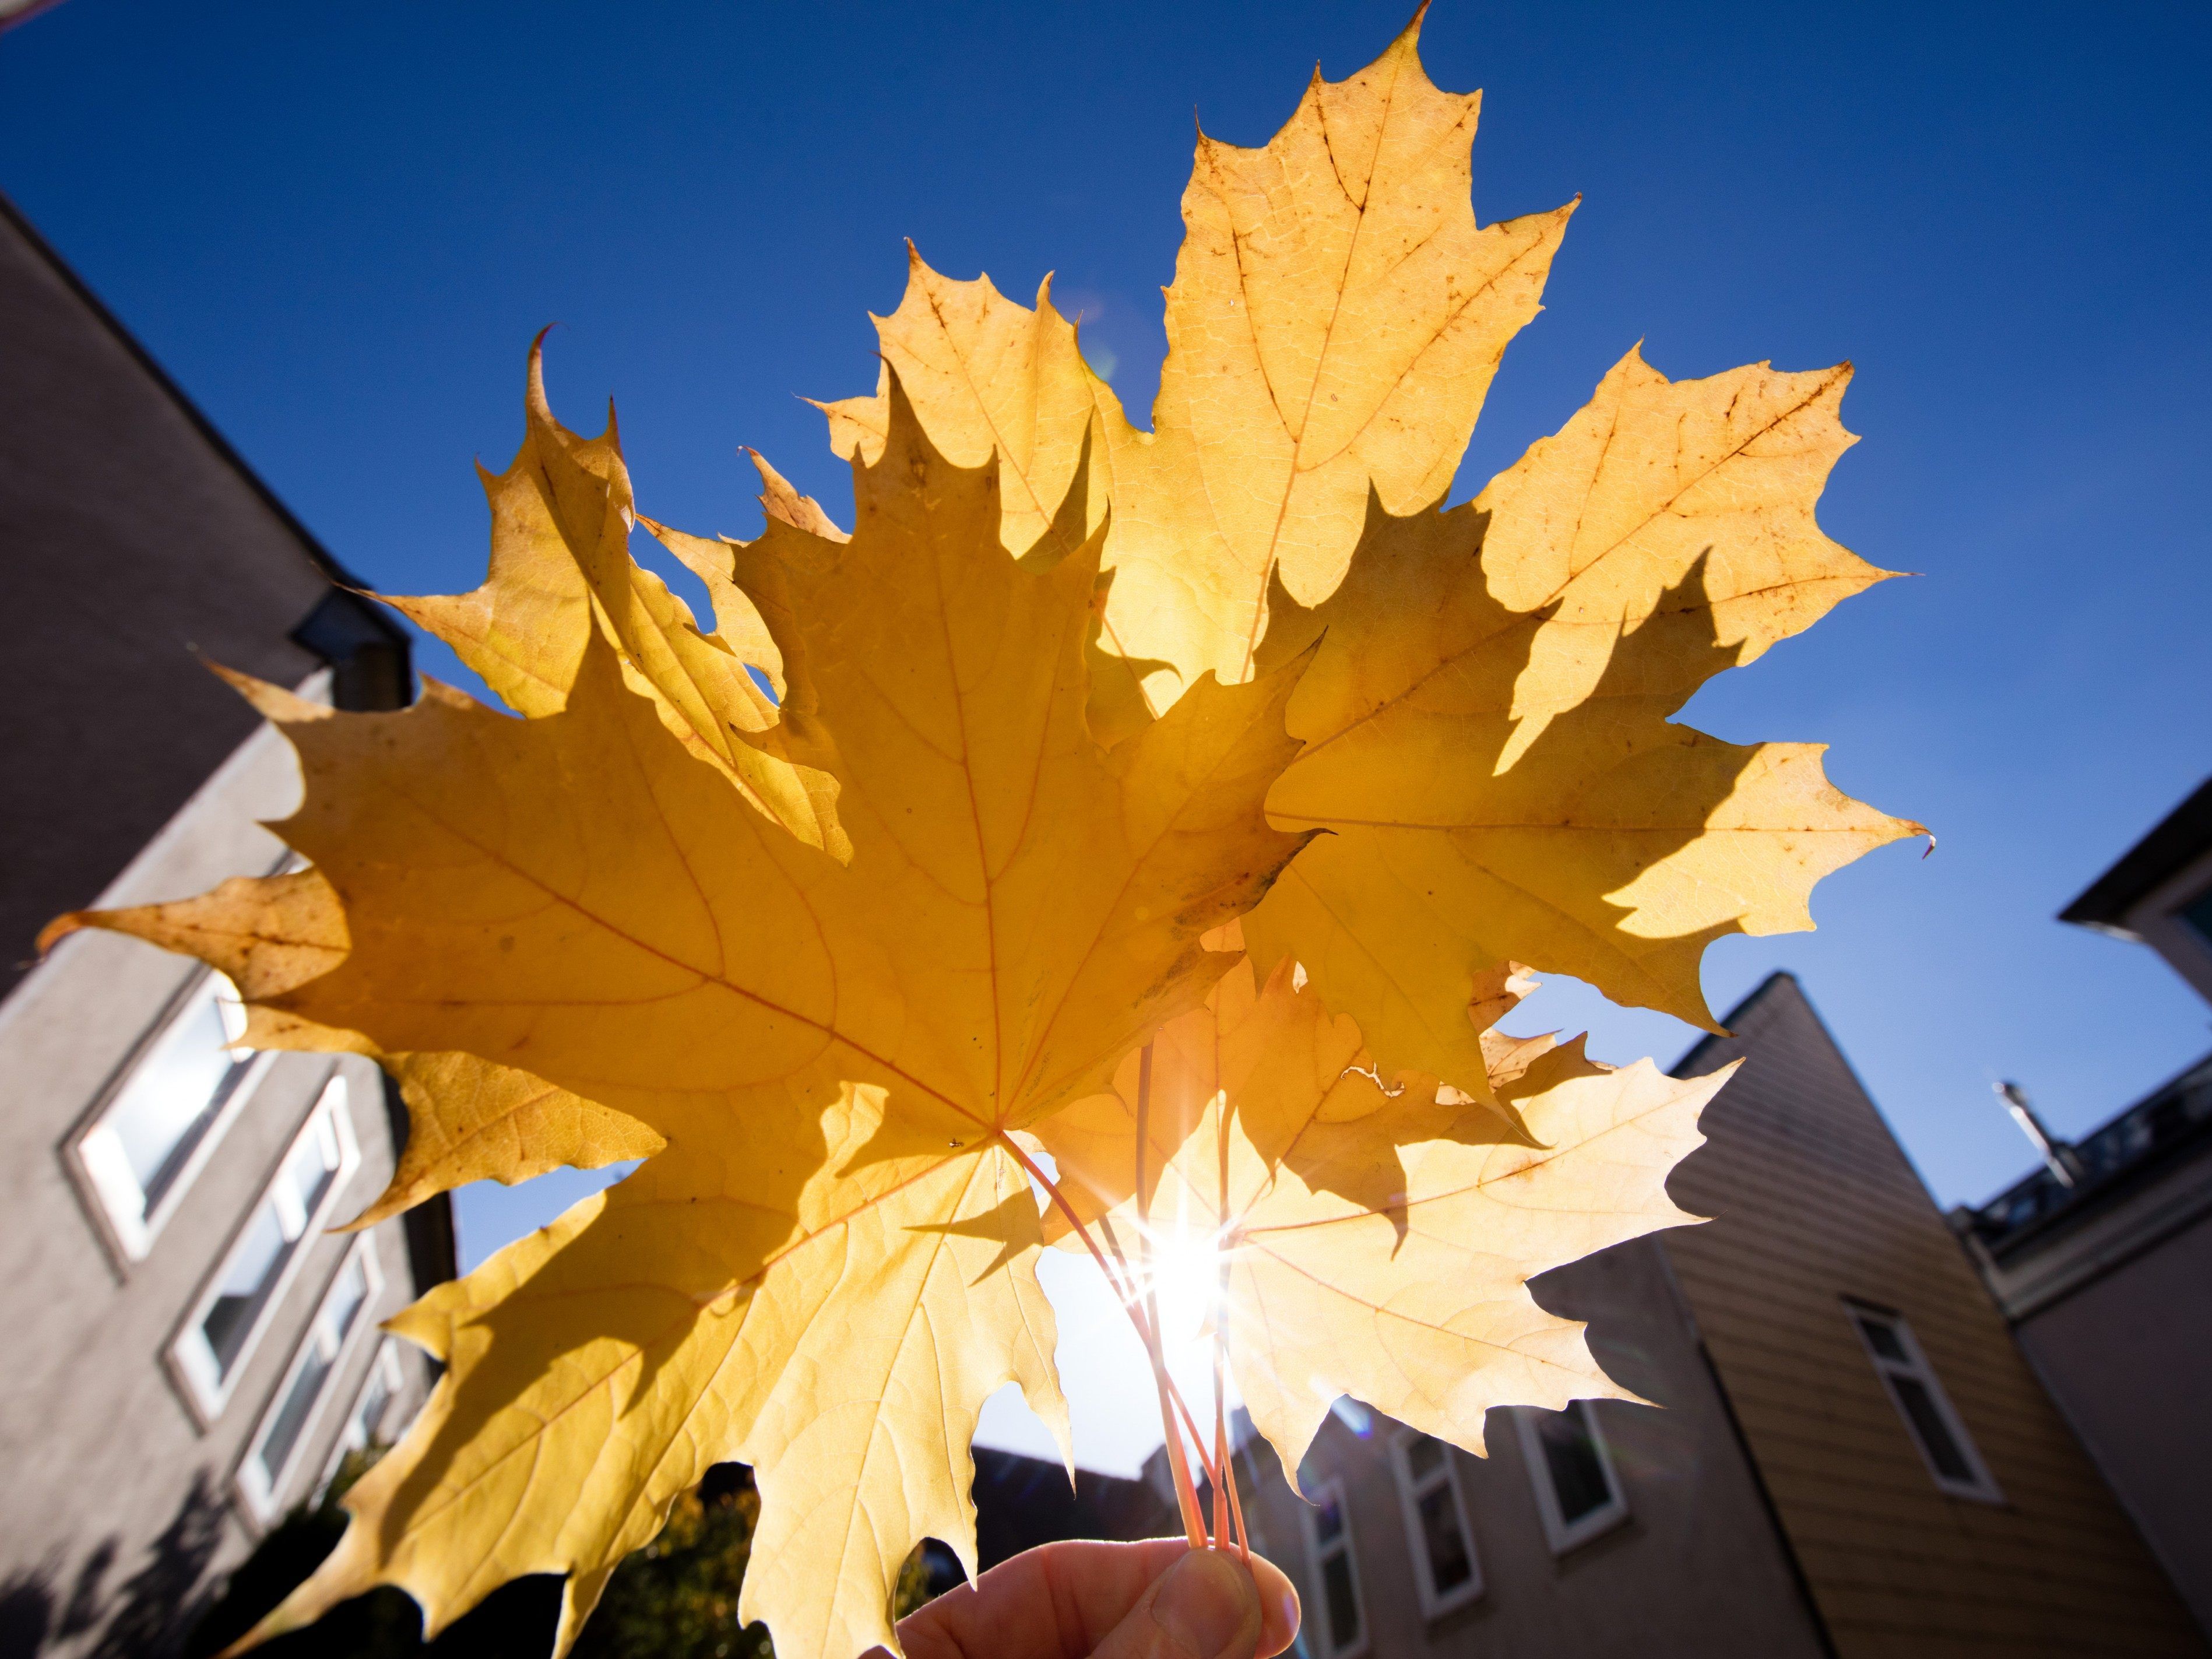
<point>2102,1259</point>
<point>189,1346</point>
<point>1853,1458</point>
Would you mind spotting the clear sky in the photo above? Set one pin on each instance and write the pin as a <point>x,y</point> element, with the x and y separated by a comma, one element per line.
<point>338,227</point>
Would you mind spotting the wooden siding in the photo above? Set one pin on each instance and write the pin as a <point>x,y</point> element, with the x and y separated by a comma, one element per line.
<point>1815,1203</point>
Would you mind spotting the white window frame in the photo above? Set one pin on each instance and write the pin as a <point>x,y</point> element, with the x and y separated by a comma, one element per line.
<point>357,1436</point>
<point>205,1387</point>
<point>97,1160</point>
<point>1561,1533</point>
<point>261,1487</point>
<point>1317,1553</point>
<point>1981,1486</point>
<point>1411,1489</point>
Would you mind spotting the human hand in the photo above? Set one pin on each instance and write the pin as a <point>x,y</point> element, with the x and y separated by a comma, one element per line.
<point>1156,1600</point>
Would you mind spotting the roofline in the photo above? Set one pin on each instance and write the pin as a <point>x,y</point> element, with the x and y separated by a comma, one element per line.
<point>2179,837</point>
<point>318,554</point>
<point>1695,1049</point>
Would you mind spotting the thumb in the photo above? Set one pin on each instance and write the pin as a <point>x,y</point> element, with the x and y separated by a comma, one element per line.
<point>1205,1606</point>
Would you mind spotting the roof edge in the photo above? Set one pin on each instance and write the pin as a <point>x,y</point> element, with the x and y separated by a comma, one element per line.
<point>2179,837</point>
<point>320,556</point>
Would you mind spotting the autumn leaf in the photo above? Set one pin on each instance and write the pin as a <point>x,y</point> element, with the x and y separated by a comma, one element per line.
<point>1333,324</point>
<point>1679,514</point>
<point>1377,1241</point>
<point>926,859</point>
<point>562,575</point>
<point>1487,724</point>
<point>832,1051</point>
<point>1316,1098</point>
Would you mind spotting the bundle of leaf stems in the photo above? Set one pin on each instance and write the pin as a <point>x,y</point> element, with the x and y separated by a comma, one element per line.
<point>1137,1292</point>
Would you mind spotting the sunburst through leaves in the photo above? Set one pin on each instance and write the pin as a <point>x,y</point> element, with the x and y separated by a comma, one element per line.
<point>1157,822</point>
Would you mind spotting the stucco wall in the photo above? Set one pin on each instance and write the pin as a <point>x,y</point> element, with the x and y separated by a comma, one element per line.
<point>119,1505</point>
<point>134,545</point>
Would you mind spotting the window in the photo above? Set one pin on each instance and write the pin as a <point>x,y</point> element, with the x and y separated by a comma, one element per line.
<point>292,1410</point>
<point>1446,1571</point>
<point>1578,1496</point>
<point>2197,913</point>
<point>366,1427</point>
<point>1944,1444</point>
<point>1341,1630</point>
<point>228,1318</point>
<point>157,1130</point>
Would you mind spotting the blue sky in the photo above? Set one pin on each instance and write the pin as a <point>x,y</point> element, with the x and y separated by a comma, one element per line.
<point>339,226</point>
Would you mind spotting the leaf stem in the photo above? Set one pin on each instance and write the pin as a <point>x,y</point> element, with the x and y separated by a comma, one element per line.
<point>1193,1523</point>
<point>1144,1314</point>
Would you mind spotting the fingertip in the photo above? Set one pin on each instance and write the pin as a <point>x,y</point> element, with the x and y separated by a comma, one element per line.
<point>1279,1607</point>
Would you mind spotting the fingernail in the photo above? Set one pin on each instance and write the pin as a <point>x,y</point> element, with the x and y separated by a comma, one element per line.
<point>1203,1602</point>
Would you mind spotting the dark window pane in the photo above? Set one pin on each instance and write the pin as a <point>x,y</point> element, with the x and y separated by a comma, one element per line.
<point>1423,1457</point>
<point>292,1417</point>
<point>368,1416</point>
<point>346,1299</point>
<point>1935,1434</point>
<point>2197,913</point>
<point>253,1273</point>
<point>1343,1600</point>
<point>1328,1523</point>
<point>1577,1475</point>
<point>1882,1339</point>
<point>1449,1565</point>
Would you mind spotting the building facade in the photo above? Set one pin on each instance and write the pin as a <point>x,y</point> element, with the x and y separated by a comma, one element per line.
<point>191,1346</point>
<point>2102,1259</point>
<point>1852,1455</point>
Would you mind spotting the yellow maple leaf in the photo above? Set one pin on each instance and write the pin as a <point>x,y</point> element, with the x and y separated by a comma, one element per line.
<point>833,1052</point>
<point>1333,324</point>
<point>925,851</point>
<point>1377,1242</point>
<point>1678,514</point>
<point>562,575</point>
<point>1487,722</point>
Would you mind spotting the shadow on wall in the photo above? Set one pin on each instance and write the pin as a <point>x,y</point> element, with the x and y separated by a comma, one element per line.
<point>145,1617</point>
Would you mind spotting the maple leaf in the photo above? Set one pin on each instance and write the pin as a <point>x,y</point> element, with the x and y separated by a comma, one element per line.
<point>1377,1242</point>
<point>832,1052</point>
<point>1334,325</point>
<point>1668,523</point>
<point>562,575</point>
<point>1487,722</point>
<point>926,855</point>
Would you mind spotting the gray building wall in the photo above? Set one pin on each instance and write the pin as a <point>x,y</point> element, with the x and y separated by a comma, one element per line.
<point>2125,1358</point>
<point>2108,1283</point>
<point>122,1506</point>
<point>134,536</point>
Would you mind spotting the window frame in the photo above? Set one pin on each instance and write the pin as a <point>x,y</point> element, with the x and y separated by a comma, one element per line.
<point>1562,1534</point>
<point>128,1235</point>
<point>209,1400</point>
<point>388,1365</point>
<point>1981,1487</point>
<point>257,1485</point>
<point>1324,1493</point>
<point>1434,1603</point>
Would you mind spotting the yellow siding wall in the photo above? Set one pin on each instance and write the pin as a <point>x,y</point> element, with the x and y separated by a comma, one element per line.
<point>1816,1203</point>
